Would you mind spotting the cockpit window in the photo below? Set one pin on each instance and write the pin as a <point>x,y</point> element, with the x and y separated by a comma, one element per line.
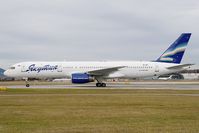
<point>12,68</point>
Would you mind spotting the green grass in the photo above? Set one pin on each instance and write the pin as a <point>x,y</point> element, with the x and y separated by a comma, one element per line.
<point>68,110</point>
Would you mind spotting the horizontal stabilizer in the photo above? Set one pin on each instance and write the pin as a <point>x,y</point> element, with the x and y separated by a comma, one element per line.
<point>180,66</point>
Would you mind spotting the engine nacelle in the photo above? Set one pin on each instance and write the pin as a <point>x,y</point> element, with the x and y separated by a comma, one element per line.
<point>81,78</point>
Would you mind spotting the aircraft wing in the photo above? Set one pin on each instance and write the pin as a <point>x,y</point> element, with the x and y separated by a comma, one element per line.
<point>105,71</point>
<point>180,66</point>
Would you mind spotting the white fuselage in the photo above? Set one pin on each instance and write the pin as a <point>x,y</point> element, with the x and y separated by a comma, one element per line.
<point>131,69</point>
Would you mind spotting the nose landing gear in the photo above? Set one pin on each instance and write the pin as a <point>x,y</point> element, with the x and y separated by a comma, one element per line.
<point>27,84</point>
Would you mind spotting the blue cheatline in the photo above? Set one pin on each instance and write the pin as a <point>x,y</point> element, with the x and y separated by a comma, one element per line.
<point>176,51</point>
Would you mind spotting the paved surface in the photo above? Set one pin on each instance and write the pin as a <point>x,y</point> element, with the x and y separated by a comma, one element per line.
<point>131,85</point>
<point>42,95</point>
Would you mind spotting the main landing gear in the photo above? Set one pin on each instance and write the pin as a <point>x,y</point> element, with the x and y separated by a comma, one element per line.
<point>100,84</point>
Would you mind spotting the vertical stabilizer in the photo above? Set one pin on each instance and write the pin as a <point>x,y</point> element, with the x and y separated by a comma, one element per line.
<point>175,52</point>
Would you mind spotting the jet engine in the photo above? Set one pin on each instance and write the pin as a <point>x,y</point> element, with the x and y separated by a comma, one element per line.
<point>81,78</point>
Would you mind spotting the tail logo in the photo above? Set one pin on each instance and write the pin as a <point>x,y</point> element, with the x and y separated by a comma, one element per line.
<point>168,55</point>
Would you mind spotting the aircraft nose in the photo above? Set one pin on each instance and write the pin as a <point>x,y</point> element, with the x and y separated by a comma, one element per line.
<point>6,73</point>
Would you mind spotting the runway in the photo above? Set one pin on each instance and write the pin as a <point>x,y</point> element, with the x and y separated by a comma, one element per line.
<point>123,85</point>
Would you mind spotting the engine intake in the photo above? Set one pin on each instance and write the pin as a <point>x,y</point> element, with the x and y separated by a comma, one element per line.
<point>81,78</point>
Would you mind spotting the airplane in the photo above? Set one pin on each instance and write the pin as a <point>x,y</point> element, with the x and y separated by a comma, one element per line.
<point>81,72</point>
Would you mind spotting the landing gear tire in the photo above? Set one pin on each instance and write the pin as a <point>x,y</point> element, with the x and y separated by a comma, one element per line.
<point>27,85</point>
<point>103,85</point>
<point>100,84</point>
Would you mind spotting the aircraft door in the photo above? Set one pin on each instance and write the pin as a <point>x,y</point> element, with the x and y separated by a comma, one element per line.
<point>157,69</point>
<point>59,69</point>
<point>23,68</point>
